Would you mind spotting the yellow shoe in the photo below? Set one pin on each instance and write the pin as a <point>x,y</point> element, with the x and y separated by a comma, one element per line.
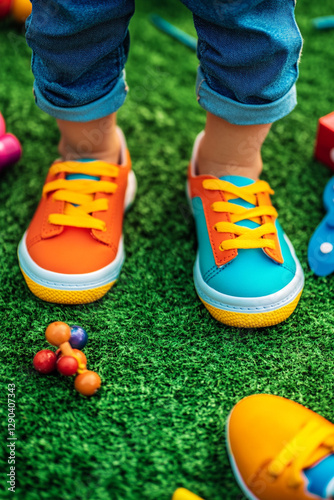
<point>183,494</point>
<point>279,450</point>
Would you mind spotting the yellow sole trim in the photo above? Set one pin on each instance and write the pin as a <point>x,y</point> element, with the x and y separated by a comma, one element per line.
<point>67,296</point>
<point>255,320</point>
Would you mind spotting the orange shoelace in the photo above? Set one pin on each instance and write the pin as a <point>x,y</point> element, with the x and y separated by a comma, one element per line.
<point>79,194</point>
<point>245,237</point>
<point>299,450</point>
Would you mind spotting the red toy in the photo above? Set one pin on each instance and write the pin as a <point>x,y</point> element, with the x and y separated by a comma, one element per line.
<point>67,365</point>
<point>45,361</point>
<point>10,147</point>
<point>19,9</point>
<point>5,7</point>
<point>324,149</point>
<point>68,361</point>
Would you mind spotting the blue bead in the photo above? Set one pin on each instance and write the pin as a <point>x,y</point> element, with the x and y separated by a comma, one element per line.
<point>78,338</point>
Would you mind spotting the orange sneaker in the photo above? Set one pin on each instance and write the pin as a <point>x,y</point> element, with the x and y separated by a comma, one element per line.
<point>280,450</point>
<point>72,252</point>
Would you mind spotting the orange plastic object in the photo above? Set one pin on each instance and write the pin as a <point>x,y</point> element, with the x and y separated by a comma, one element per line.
<point>66,349</point>
<point>67,365</point>
<point>57,333</point>
<point>21,9</point>
<point>87,383</point>
<point>259,429</point>
<point>324,148</point>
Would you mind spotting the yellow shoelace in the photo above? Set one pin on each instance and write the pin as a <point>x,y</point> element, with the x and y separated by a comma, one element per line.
<point>246,238</point>
<point>79,194</point>
<point>299,450</point>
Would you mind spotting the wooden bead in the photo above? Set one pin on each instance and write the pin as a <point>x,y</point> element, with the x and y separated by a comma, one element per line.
<point>57,333</point>
<point>87,383</point>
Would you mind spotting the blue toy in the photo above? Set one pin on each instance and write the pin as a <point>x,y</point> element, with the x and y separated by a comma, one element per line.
<point>321,246</point>
<point>78,338</point>
<point>323,23</point>
<point>174,32</point>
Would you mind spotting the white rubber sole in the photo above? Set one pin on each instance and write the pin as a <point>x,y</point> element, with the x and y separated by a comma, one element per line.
<point>251,305</point>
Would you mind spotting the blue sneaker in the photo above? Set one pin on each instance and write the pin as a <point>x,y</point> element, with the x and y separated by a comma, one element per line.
<point>246,271</point>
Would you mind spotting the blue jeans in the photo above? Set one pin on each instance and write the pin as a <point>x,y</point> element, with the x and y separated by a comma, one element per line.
<point>248,52</point>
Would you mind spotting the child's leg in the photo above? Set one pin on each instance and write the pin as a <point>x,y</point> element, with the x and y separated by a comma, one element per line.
<point>248,52</point>
<point>97,139</point>
<point>73,251</point>
<point>79,54</point>
<point>227,148</point>
<point>246,272</point>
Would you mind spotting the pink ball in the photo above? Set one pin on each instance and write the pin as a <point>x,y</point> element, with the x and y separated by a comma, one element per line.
<point>45,361</point>
<point>2,123</point>
<point>10,150</point>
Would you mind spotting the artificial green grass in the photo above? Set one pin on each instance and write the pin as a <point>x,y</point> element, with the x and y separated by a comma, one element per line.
<point>170,372</point>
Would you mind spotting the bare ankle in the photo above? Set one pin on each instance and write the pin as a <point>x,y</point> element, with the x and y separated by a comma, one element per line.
<point>97,139</point>
<point>229,149</point>
<point>220,169</point>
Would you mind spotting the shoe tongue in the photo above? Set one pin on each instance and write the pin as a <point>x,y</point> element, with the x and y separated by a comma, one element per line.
<point>74,177</point>
<point>237,180</point>
<point>241,182</point>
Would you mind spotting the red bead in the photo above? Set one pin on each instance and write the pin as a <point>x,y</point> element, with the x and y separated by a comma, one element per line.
<point>45,361</point>
<point>67,365</point>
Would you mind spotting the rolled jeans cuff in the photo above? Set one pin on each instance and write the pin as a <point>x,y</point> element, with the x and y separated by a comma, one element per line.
<point>239,113</point>
<point>100,108</point>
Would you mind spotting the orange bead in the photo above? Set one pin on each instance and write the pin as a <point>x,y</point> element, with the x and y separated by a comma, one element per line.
<point>57,333</point>
<point>87,383</point>
<point>80,355</point>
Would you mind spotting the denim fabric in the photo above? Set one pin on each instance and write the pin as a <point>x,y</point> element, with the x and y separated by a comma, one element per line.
<point>79,51</point>
<point>248,52</point>
<point>240,113</point>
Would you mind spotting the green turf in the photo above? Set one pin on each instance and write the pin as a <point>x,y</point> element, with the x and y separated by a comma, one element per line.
<point>170,373</point>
